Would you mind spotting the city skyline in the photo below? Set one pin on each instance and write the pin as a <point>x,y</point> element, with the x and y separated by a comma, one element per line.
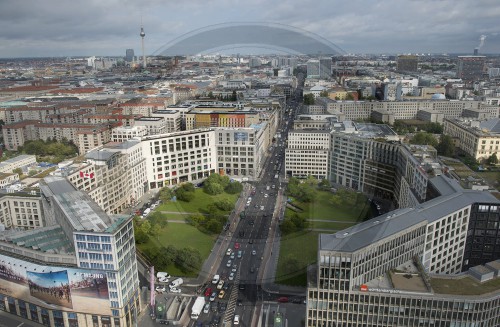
<point>54,28</point>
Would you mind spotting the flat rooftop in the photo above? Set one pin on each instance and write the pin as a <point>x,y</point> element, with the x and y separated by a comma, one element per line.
<point>81,211</point>
<point>464,286</point>
<point>378,228</point>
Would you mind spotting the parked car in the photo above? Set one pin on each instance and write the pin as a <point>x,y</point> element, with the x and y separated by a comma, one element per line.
<point>221,294</point>
<point>213,296</point>
<point>160,289</point>
<point>283,299</point>
<point>208,291</point>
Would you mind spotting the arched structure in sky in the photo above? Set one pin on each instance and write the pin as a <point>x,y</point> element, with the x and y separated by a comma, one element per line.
<point>282,38</point>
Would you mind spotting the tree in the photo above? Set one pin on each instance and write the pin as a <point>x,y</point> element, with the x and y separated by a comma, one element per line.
<point>145,227</point>
<point>324,94</point>
<point>212,188</point>
<point>157,220</point>
<point>18,171</point>
<point>349,96</point>
<point>211,95</point>
<point>234,188</point>
<point>32,172</point>
<point>424,139</point>
<point>324,184</point>
<point>188,259</point>
<point>166,194</point>
<point>309,99</point>
<point>493,159</point>
<point>446,147</point>
<point>184,195</point>
<point>141,237</point>
<point>287,226</point>
<point>224,205</point>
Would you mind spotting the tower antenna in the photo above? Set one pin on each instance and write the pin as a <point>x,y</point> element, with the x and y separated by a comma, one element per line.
<point>142,34</point>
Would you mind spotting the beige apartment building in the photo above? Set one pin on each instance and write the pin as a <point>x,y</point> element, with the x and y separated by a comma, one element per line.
<point>21,210</point>
<point>479,139</point>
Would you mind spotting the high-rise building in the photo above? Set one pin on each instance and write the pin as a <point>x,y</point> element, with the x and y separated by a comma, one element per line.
<point>325,67</point>
<point>435,264</point>
<point>77,269</point>
<point>313,68</point>
<point>407,63</point>
<point>129,55</point>
<point>470,68</point>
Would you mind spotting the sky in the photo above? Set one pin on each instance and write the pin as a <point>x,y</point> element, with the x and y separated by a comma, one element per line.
<point>35,28</point>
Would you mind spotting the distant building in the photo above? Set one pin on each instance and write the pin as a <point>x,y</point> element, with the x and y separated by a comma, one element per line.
<point>470,68</point>
<point>129,55</point>
<point>325,67</point>
<point>313,68</point>
<point>407,63</point>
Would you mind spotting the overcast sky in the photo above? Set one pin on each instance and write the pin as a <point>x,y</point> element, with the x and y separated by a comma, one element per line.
<point>36,28</point>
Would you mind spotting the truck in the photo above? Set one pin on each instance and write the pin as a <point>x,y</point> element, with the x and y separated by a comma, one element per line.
<point>176,283</point>
<point>197,307</point>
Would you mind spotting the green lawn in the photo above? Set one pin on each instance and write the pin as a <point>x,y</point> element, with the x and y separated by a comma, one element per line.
<point>323,209</point>
<point>198,204</point>
<point>302,246</point>
<point>181,236</point>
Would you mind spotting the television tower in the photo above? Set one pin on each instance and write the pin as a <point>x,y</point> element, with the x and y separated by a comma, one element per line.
<point>143,53</point>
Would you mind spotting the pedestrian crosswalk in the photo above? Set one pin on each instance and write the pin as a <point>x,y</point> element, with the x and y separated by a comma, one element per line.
<point>233,298</point>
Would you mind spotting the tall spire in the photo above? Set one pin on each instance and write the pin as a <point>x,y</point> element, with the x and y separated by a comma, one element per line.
<point>142,34</point>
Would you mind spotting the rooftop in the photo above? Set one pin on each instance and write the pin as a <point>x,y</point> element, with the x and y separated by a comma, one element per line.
<point>82,212</point>
<point>379,228</point>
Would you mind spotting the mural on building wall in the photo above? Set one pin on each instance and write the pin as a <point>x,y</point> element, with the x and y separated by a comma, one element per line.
<point>75,289</point>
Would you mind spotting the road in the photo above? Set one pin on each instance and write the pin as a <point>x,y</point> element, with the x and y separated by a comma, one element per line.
<point>248,274</point>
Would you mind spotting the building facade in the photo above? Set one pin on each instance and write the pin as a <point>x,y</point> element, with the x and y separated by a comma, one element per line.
<point>78,270</point>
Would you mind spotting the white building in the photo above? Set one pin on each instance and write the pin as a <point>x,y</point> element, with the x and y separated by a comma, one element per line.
<point>21,161</point>
<point>124,133</point>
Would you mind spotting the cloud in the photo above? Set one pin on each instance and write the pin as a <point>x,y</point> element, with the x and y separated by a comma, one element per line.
<point>57,27</point>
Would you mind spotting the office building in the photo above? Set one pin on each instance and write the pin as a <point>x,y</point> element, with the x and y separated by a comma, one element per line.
<point>313,69</point>
<point>307,153</point>
<point>77,269</point>
<point>325,68</point>
<point>407,63</point>
<point>470,68</point>
<point>129,55</point>
<point>412,267</point>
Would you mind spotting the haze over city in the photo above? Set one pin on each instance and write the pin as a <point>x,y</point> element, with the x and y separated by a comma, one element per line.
<point>58,28</point>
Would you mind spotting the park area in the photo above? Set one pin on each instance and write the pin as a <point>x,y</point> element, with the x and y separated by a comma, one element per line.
<point>179,234</point>
<point>325,213</point>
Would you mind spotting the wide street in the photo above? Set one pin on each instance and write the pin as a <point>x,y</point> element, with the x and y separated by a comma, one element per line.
<point>245,256</point>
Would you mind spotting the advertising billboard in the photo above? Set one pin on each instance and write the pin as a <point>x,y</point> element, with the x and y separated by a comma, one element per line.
<point>61,288</point>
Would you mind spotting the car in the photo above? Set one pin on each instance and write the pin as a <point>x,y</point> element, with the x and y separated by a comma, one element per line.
<point>252,270</point>
<point>208,291</point>
<point>250,241</point>
<point>236,320</point>
<point>266,195</point>
<point>228,264</point>
<point>226,287</point>
<point>175,290</point>
<point>221,294</point>
<point>164,322</point>
<point>254,252</point>
<point>229,251</point>
<point>273,186</point>
<point>220,285</point>
<point>160,289</point>
<point>232,256</point>
<point>222,307</point>
<point>163,280</point>
<point>242,287</point>
<point>206,308</point>
<point>251,222</point>
<point>240,303</point>
<point>236,245</point>
<point>215,321</point>
<point>240,254</point>
<point>231,276</point>
<point>262,208</point>
<point>213,296</point>
<point>234,269</point>
<point>283,299</point>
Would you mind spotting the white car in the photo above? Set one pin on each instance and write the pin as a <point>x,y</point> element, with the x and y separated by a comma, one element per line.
<point>236,320</point>
<point>163,280</point>
<point>231,276</point>
<point>160,289</point>
<point>175,290</point>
